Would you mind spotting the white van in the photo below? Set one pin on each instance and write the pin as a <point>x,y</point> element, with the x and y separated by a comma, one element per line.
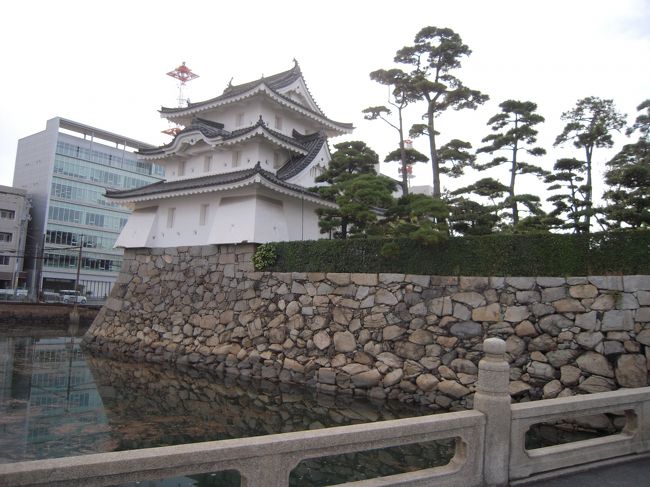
<point>71,296</point>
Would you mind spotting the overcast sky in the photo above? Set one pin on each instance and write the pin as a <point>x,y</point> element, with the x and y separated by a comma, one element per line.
<point>104,63</point>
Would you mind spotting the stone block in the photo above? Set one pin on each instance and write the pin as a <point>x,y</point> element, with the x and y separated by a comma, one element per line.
<point>473,283</point>
<point>551,281</point>
<point>553,294</point>
<point>521,283</point>
<point>393,377</point>
<point>626,301</point>
<point>392,332</point>
<point>589,339</point>
<point>344,342</point>
<point>568,305</point>
<point>636,283</point>
<point>554,324</point>
<point>617,320</point>
<point>472,299</point>
<point>387,278</point>
<point>597,384</point>
<point>515,314</point>
<point>570,375</point>
<point>595,363</point>
<point>322,340</point>
<point>367,379</point>
<point>462,312</point>
<point>583,291</point>
<point>466,329</point>
<point>418,280</point>
<point>587,321</point>
<point>632,371</point>
<point>491,312</point>
<point>642,315</point>
<point>453,389</point>
<point>426,382</point>
<point>409,350</point>
<point>604,302</point>
<point>383,296</point>
<point>421,337</point>
<point>607,283</point>
<point>528,297</point>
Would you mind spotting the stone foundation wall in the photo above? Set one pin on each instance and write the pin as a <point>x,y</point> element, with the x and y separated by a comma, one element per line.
<point>407,337</point>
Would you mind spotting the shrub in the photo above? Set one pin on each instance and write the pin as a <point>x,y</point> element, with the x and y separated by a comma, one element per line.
<point>620,252</point>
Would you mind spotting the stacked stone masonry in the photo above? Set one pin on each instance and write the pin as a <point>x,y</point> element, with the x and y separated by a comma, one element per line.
<point>415,338</point>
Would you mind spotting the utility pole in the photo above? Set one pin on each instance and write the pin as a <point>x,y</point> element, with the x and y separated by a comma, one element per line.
<point>74,315</point>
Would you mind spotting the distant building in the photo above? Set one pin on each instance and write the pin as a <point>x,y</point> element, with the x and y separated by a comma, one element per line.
<point>239,170</point>
<point>65,170</point>
<point>14,216</point>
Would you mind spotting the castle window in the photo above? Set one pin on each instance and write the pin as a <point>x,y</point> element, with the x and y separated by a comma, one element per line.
<point>240,120</point>
<point>203,215</point>
<point>171,213</point>
<point>207,163</point>
<point>276,160</point>
<point>181,168</point>
<point>278,122</point>
<point>236,156</point>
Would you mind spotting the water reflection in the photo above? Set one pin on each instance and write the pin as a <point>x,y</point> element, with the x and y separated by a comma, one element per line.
<point>49,405</point>
<point>56,401</point>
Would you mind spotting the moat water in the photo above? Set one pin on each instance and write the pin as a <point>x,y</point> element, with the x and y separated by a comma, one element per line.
<point>57,401</point>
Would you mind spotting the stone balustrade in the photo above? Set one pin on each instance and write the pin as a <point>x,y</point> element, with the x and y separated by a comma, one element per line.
<point>489,443</point>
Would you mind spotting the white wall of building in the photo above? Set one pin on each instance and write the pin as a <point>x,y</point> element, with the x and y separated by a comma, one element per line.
<point>252,215</point>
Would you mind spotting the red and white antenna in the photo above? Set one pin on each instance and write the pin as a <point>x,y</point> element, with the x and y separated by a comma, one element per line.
<point>183,74</point>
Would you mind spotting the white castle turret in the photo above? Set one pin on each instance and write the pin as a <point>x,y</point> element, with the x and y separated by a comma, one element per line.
<point>238,171</point>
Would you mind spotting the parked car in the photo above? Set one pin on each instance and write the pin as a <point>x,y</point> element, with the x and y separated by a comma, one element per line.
<point>50,297</point>
<point>72,296</point>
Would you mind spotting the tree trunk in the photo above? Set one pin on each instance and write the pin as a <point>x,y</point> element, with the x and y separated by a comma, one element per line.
<point>434,153</point>
<point>402,155</point>
<point>513,173</point>
<point>588,192</point>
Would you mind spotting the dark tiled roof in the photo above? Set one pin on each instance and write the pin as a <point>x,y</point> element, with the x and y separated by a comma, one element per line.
<point>213,130</point>
<point>161,187</point>
<point>313,143</point>
<point>208,128</point>
<point>274,83</point>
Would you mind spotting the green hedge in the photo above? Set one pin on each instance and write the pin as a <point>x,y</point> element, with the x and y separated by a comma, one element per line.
<point>621,252</point>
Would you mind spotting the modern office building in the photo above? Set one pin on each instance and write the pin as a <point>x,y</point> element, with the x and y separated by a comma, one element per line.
<point>14,217</point>
<point>65,170</point>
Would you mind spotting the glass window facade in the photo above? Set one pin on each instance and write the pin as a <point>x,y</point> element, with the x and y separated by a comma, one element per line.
<point>79,212</point>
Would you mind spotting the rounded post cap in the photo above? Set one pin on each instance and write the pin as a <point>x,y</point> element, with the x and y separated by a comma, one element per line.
<point>494,346</point>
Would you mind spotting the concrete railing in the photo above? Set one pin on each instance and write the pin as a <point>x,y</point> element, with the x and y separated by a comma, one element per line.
<point>489,443</point>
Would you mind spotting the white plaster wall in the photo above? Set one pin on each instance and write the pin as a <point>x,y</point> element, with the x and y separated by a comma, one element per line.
<point>234,220</point>
<point>271,222</point>
<point>252,215</point>
<point>139,228</point>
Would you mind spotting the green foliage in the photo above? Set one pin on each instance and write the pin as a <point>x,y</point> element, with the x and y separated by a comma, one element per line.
<point>545,254</point>
<point>353,184</point>
<point>515,134</point>
<point>418,217</point>
<point>570,204</point>
<point>589,126</point>
<point>265,256</point>
<point>628,174</point>
<point>434,55</point>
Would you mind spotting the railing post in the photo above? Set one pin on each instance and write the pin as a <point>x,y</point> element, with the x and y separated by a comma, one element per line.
<point>493,399</point>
